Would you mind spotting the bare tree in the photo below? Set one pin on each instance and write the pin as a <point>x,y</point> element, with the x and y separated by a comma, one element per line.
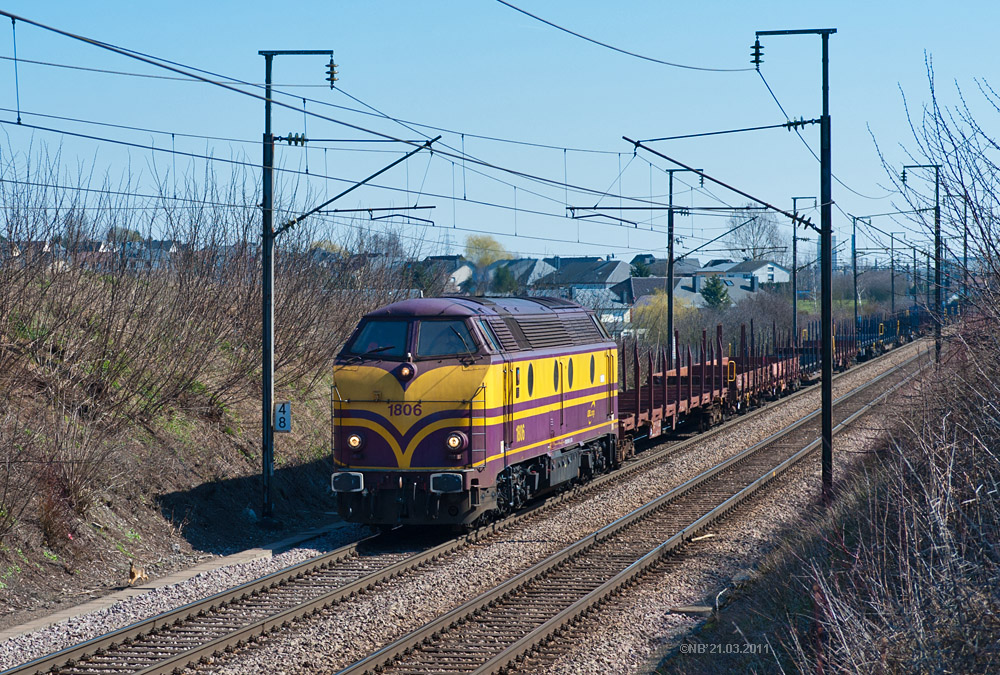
<point>755,235</point>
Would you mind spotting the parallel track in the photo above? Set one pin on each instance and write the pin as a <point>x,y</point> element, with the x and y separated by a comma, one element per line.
<point>221,622</point>
<point>494,630</point>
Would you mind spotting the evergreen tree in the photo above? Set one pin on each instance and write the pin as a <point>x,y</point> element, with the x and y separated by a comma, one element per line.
<point>641,269</point>
<point>504,281</point>
<point>715,294</point>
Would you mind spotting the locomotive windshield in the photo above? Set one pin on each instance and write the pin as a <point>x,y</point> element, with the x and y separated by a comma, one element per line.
<point>443,338</point>
<point>384,338</point>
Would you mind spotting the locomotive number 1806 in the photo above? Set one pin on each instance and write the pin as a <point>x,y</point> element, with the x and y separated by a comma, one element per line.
<point>405,409</point>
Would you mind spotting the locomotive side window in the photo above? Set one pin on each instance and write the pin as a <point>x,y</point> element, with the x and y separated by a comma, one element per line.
<point>381,339</point>
<point>555,376</point>
<point>600,327</point>
<point>531,378</point>
<point>443,338</point>
<point>570,373</point>
<point>492,339</point>
<point>592,368</point>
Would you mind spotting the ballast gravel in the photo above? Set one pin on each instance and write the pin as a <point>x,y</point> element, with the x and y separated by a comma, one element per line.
<point>348,632</point>
<point>631,632</point>
<point>66,633</point>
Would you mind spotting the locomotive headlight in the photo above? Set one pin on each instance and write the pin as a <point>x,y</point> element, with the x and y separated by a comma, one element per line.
<point>355,441</point>
<point>405,372</point>
<point>456,441</point>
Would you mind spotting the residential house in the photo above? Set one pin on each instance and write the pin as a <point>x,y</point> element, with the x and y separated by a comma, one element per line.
<point>50,254</point>
<point>588,274</point>
<point>558,262</point>
<point>657,267</point>
<point>590,283</point>
<point>525,272</point>
<point>97,256</point>
<point>9,252</point>
<point>455,271</point>
<point>146,254</point>
<point>764,271</point>
<point>688,290</point>
<point>717,267</point>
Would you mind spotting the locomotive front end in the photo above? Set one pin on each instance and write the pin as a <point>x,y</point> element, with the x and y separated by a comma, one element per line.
<point>409,416</point>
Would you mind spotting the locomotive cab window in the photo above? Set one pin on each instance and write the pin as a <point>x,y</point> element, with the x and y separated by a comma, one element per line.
<point>380,339</point>
<point>444,338</point>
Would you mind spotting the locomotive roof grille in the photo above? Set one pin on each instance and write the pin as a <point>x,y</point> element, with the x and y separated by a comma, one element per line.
<point>542,331</point>
<point>507,340</point>
<point>549,301</point>
<point>582,328</point>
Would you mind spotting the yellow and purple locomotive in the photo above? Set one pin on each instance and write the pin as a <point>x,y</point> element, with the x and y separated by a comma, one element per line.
<point>457,410</point>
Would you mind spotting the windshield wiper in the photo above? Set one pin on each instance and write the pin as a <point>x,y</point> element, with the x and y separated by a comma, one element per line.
<point>376,350</point>
<point>468,349</point>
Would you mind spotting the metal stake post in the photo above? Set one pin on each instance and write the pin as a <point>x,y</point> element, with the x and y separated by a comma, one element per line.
<point>937,311</point>
<point>826,252</point>
<point>892,273</point>
<point>795,271</point>
<point>854,268</point>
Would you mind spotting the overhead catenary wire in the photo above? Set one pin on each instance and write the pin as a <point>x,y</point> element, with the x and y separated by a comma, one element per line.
<point>620,50</point>
<point>176,67</point>
<point>204,137</point>
<point>813,152</point>
<point>285,170</point>
<point>151,76</point>
<point>463,156</point>
<point>322,215</point>
<point>560,216</point>
<point>277,92</point>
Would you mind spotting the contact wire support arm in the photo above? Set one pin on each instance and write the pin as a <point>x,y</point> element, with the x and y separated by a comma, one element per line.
<point>295,221</point>
<point>794,217</point>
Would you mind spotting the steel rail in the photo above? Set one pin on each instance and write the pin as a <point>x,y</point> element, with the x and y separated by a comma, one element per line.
<point>385,656</point>
<point>529,642</point>
<point>73,655</point>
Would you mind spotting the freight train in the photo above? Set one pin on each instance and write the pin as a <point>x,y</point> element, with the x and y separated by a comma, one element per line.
<point>458,410</point>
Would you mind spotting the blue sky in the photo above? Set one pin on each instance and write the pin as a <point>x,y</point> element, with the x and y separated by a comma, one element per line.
<point>480,68</point>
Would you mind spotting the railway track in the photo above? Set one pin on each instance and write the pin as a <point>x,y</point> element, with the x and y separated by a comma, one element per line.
<point>220,623</point>
<point>496,629</point>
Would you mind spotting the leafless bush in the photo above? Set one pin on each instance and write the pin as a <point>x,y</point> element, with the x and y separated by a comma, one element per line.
<point>16,483</point>
<point>116,304</point>
<point>103,317</point>
<point>917,591</point>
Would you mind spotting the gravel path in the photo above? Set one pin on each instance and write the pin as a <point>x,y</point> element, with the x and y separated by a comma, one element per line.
<point>349,632</point>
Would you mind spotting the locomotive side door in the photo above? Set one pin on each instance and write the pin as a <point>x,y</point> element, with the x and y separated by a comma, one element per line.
<point>508,406</point>
<point>608,379</point>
